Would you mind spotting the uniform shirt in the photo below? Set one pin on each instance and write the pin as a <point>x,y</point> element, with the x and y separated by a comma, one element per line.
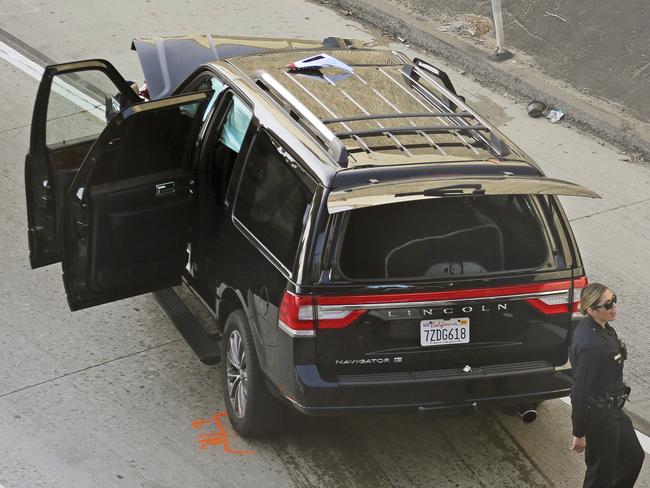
<point>595,355</point>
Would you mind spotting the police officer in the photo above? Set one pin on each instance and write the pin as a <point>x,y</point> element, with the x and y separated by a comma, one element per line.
<point>613,454</point>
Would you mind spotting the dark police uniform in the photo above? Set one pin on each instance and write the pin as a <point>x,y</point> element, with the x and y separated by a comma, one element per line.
<point>613,454</point>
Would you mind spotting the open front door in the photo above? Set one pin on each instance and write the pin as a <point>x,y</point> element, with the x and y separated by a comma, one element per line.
<point>73,103</point>
<point>126,218</point>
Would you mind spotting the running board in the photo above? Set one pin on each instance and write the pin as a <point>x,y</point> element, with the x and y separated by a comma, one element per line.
<point>202,343</point>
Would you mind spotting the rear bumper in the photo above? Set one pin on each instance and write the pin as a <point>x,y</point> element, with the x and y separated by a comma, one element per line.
<point>505,385</point>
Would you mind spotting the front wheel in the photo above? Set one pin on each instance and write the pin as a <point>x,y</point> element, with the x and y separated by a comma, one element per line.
<point>252,410</point>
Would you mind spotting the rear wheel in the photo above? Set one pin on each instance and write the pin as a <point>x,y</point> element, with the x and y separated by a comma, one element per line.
<point>252,410</point>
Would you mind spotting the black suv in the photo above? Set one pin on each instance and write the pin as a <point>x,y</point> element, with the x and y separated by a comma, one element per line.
<point>364,240</point>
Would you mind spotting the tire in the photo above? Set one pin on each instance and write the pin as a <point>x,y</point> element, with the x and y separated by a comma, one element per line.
<point>252,410</point>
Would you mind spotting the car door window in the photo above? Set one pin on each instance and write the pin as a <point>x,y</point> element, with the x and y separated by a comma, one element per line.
<point>272,199</point>
<point>209,83</point>
<point>236,124</point>
<point>80,105</point>
<point>159,142</point>
<point>224,144</point>
<point>217,86</point>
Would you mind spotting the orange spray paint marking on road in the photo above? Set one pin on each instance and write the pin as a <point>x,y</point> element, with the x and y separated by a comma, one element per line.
<point>198,423</point>
<point>218,437</point>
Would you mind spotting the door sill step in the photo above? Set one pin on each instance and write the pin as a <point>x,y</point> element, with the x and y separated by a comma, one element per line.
<point>202,343</point>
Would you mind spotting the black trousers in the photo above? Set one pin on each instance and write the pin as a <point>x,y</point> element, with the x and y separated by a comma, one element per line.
<point>614,455</point>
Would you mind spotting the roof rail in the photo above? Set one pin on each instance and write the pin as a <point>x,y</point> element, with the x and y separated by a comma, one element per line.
<point>295,108</point>
<point>428,129</point>
<point>397,115</point>
<point>435,71</point>
<point>424,70</point>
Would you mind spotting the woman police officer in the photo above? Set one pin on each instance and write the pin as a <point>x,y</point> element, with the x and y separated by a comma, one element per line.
<point>600,427</point>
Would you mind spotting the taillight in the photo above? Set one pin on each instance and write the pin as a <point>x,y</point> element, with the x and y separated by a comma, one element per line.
<point>297,315</point>
<point>336,316</point>
<point>296,312</point>
<point>554,303</point>
<point>578,285</point>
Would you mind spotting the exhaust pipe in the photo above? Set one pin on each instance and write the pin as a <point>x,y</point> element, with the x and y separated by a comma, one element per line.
<point>527,414</point>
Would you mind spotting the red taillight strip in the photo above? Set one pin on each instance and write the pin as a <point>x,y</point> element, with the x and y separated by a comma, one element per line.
<point>296,316</point>
<point>340,322</point>
<point>336,311</point>
<point>435,303</point>
<point>547,306</point>
<point>289,314</point>
<point>437,296</point>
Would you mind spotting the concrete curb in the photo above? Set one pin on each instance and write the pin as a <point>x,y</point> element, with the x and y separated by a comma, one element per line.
<point>598,117</point>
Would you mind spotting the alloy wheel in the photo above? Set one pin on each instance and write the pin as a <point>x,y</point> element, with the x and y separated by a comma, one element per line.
<point>236,374</point>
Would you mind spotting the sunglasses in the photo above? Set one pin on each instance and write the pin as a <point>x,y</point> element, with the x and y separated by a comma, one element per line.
<point>607,305</point>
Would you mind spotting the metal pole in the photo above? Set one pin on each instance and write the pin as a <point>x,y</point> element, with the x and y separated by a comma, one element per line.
<point>501,53</point>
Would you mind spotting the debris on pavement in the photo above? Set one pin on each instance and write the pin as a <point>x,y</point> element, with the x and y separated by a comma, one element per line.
<point>536,108</point>
<point>471,26</point>
<point>479,25</point>
<point>554,116</point>
<point>549,14</point>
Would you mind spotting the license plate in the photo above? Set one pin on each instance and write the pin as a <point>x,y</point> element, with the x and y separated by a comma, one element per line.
<point>444,331</point>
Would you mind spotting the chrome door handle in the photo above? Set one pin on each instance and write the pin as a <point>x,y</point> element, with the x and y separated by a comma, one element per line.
<point>165,188</point>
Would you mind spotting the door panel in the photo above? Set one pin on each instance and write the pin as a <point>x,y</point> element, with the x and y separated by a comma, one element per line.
<point>135,237</point>
<point>126,218</point>
<point>73,102</point>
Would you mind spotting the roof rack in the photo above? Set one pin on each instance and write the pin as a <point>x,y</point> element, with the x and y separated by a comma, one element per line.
<point>429,129</point>
<point>448,111</point>
<point>424,70</point>
<point>407,115</point>
<point>293,106</point>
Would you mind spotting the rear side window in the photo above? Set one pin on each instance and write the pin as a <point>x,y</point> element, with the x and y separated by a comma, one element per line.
<point>272,200</point>
<point>447,237</point>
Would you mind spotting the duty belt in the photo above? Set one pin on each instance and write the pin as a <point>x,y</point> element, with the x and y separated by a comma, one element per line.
<point>611,401</point>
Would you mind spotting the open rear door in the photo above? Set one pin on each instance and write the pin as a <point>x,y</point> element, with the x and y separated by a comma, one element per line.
<point>73,103</point>
<point>126,218</point>
<point>443,187</point>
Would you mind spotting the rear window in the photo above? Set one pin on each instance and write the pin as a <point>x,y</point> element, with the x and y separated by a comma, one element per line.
<point>445,237</point>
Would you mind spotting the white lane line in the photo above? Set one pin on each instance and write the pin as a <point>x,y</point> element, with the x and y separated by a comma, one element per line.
<point>62,88</point>
<point>27,10</point>
<point>643,439</point>
<point>79,98</point>
<point>21,62</point>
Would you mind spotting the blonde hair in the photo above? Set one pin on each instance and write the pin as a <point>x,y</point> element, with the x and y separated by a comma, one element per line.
<point>590,294</point>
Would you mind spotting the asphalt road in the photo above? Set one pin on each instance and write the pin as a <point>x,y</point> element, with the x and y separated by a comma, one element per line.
<point>111,396</point>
